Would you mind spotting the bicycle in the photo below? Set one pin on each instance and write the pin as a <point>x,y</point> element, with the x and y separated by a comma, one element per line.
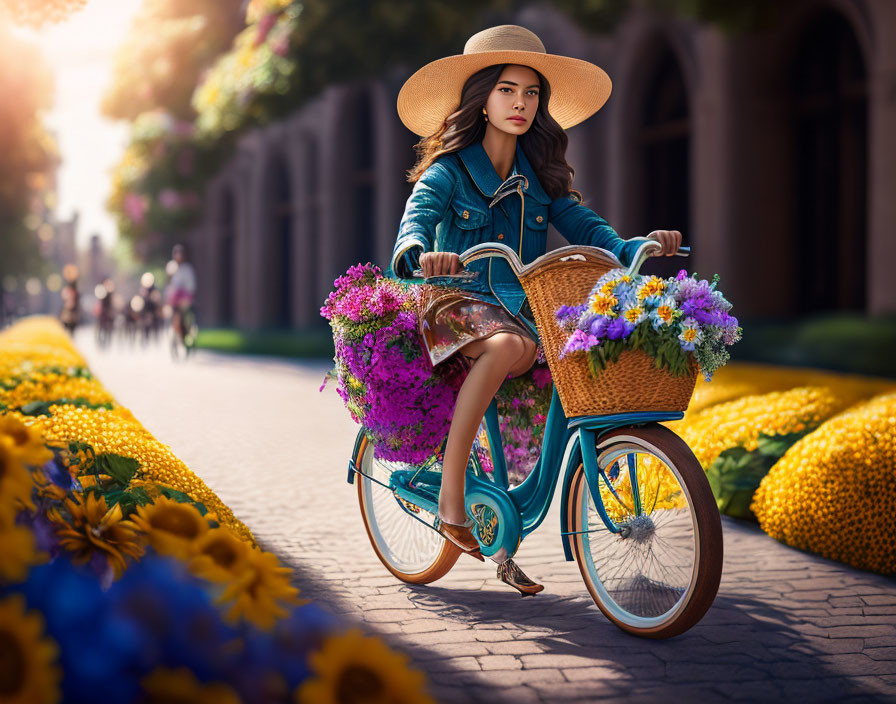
<point>184,331</point>
<point>637,512</point>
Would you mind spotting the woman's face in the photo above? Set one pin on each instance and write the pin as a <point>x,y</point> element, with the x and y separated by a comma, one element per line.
<point>515,95</point>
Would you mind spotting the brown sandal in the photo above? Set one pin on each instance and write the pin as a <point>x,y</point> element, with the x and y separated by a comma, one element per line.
<point>461,535</point>
<point>510,573</point>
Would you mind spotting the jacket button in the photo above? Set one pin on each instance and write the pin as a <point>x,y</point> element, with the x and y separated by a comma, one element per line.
<point>500,235</point>
<point>465,215</point>
<point>539,218</point>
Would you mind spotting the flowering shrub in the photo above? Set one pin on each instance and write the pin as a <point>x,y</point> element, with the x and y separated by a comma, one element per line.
<point>743,425</point>
<point>833,493</point>
<point>667,318</point>
<point>384,374</point>
<point>121,573</point>
<point>523,405</point>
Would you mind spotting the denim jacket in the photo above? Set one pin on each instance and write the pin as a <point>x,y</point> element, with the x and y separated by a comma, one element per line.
<point>460,201</point>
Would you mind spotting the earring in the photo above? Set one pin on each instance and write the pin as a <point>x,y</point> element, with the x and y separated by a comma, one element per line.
<point>485,114</point>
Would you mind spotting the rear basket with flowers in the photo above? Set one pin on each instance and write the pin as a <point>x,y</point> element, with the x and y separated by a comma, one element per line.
<point>636,342</point>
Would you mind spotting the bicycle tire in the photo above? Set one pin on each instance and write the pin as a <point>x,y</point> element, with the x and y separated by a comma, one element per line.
<point>696,599</point>
<point>431,567</point>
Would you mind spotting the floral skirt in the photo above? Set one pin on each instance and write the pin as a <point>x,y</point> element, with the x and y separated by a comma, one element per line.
<point>451,318</point>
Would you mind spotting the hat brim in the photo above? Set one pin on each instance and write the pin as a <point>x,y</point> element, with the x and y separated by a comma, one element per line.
<point>578,88</point>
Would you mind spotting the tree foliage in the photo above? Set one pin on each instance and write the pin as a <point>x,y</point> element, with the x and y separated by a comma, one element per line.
<point>36,13</point>
<point>161,59</point>
<point>28,153</point>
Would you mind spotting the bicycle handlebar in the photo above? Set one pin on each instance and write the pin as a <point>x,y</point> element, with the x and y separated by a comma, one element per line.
<point>488,250</point>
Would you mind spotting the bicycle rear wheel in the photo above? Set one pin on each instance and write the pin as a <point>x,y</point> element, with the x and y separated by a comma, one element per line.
<point>410,550</point>
<point>657,576</point>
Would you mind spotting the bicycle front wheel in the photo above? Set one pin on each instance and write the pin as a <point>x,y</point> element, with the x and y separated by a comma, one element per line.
<point>412,551</point>
<point>658,572</point>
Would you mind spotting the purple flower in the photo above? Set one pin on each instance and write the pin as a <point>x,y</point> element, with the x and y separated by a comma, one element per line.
<point>619,328</point>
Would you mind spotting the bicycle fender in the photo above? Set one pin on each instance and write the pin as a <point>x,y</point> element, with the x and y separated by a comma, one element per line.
<point>353,460</point>
<point>573,458</point>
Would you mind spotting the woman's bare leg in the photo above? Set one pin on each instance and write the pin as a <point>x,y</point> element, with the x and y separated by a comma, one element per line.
<point>495,357</point>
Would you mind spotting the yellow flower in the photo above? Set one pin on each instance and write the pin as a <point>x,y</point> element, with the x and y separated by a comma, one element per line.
<point>353,668</point>
<point>172,527</point>
<point>26,441</point>
<point>96,528</point>
<point>603,305</point>
<point>651,286</point>
<point>260,591</point>
<point>220,556</point>
<point>181,686</point>
<point>29,673</point>
<point>17,552</point>
<point>633,314</point>
<point>15,481</point>
<point>665,313</point>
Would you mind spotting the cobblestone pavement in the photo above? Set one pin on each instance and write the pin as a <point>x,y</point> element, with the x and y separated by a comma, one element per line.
<point>785,625</point>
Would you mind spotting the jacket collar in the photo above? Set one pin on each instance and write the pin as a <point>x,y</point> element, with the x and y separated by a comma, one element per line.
<point>482,171</point>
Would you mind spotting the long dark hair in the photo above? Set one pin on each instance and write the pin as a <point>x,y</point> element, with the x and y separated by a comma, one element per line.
<point>544,143</point>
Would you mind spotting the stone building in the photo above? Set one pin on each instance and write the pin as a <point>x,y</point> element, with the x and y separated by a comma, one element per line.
<point>773,152</point>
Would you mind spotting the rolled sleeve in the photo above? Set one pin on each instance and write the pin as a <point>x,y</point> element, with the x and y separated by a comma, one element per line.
<point>581,225</point>
<point>424,210</point>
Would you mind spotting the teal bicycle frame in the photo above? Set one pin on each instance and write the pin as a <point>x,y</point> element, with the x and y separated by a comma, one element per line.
<point>505,515</point>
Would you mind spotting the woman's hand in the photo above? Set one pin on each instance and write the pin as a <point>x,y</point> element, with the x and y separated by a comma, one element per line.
<point>670,239</point>
<point>439,263</point>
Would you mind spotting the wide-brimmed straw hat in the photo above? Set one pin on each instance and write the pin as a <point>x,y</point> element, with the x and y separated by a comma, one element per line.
<point>578,88</point>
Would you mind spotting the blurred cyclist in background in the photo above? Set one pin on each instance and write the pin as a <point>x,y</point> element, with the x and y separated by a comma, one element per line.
<point>181,289</point>
<point>70,315</point>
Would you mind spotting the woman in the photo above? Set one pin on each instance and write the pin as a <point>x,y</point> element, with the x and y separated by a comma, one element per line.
<point>492,122</point>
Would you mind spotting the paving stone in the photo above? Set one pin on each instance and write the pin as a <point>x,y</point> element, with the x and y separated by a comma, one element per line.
<point>500,662</point>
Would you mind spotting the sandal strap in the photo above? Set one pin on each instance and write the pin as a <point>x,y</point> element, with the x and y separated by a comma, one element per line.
<point>469,523</point>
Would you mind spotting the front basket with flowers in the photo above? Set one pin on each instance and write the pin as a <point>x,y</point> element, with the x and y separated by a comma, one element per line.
<point>636,342</point>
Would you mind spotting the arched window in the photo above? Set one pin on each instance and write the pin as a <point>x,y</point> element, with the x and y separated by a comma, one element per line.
<point>830,123</point>
<point>664,144</point>
<point>282,279</point>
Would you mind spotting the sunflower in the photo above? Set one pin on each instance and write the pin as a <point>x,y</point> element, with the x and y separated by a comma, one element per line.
<point>29,673</point>
<point>17,552</point>
<point>260,591</point>
<point>220,556</point>
<point>352,668</point>
<point>15,481</point>
<point>172,527</point>
<point>26,441</point>
<point>180,686</point>
<point>94,527</point>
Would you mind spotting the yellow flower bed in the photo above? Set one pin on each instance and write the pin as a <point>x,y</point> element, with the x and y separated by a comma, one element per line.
<point>740,422</point>
<point>833,492</point>
<point>39,343</point>
<point>739,379</point>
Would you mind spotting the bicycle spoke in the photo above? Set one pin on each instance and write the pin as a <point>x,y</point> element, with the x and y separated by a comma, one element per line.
<point>647,568</point>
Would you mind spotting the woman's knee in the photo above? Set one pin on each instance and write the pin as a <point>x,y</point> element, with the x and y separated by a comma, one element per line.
<point>527,359</point>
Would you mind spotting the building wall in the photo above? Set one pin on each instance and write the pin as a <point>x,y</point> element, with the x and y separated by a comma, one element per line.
<point>740,167</point>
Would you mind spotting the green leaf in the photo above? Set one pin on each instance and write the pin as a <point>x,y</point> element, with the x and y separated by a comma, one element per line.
<point>121,469</point>
<point>36,408</point>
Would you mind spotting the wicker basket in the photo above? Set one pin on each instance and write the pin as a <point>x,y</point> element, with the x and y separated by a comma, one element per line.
<point>632,383</point>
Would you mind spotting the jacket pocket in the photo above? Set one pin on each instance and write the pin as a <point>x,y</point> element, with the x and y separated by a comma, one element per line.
<point>468,216</point>
<point>536,218</point>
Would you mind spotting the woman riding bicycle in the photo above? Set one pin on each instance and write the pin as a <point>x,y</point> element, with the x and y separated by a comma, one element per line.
<point>487,133</point>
